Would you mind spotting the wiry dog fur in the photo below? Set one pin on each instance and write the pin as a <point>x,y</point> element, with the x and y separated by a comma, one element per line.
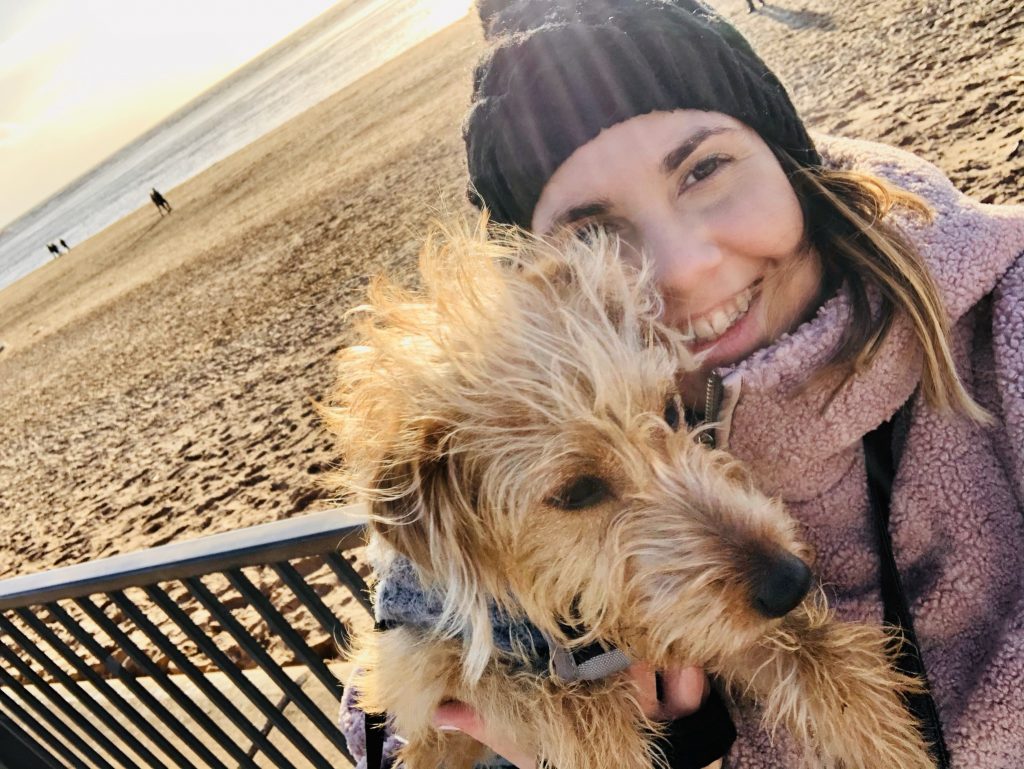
<point>472,407</point>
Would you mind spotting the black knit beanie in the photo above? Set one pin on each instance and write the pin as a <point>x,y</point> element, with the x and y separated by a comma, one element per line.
<point>561,71</point>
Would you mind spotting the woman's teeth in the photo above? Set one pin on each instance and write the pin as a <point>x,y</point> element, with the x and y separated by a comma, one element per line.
<point>707,328</point>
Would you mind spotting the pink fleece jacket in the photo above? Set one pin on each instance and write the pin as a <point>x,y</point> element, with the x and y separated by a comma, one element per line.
<point>957,509</point>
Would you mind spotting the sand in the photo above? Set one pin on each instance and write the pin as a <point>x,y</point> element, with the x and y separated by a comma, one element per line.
<point>158,382</point>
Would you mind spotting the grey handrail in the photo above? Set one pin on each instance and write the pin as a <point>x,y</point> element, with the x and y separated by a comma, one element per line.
<point>338,529</point>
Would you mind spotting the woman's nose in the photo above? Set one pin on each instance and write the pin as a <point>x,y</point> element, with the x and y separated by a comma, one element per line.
<point>684,256</point>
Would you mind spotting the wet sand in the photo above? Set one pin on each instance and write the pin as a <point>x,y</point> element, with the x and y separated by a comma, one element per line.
<point>158,382</point>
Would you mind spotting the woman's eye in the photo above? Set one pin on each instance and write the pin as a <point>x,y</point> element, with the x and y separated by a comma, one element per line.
<point>673,410</point>
<point>704,169</point>
<point>585,491</point>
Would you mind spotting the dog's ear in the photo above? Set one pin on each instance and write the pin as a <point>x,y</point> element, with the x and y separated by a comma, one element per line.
<point>425,508</point>
<point>402,509</point>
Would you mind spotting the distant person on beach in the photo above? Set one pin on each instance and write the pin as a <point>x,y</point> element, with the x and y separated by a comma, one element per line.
<point>750,5</point>
<point>65,244</point>
<point>53,249</point>
<point>853,313</point>
<point>160,202</point>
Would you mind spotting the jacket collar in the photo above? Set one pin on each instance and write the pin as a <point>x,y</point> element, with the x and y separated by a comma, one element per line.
<point>798,443</point>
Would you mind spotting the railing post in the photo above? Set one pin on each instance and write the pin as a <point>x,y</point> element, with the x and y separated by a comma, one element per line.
<point>19,750</point>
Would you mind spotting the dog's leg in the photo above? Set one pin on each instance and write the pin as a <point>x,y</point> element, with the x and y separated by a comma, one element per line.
<point>407,675</point>
<point>575,729</point>
<point>441,750</point>
<point>574,726</point>
<point>833,686</point>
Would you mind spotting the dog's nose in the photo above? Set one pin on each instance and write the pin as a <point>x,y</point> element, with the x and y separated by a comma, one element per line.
<point>780,583</point>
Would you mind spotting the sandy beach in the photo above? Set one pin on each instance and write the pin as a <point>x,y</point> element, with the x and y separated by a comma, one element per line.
<point>158,382</point>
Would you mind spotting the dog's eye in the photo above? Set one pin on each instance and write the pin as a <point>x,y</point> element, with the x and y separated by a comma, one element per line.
<point>673,409</point>
<point>582,492</point>
<point>589,232</point>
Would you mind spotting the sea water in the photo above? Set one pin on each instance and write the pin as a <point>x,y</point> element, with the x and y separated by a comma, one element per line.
<point>323,57</point>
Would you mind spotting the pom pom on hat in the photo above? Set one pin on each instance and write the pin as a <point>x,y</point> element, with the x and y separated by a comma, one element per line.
<point>560,71</point>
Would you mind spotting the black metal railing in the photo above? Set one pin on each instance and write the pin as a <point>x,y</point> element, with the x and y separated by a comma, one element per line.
<point>195,654</point>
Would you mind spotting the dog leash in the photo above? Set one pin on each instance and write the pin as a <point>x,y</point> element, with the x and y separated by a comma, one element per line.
<point>881,461</point>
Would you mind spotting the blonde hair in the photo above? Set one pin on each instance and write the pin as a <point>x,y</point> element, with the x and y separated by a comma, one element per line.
<point>846,215</point>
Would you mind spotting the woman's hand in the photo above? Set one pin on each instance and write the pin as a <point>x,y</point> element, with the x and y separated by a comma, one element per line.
<point>458,716</point>
<point>682,692</point>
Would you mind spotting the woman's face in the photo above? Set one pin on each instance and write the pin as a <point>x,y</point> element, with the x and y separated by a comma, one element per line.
<point>708,202</point>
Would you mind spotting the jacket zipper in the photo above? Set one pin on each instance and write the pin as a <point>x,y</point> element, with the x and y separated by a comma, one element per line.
<point>712,405</point>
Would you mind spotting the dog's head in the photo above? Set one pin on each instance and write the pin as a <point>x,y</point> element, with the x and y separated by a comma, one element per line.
<point>517,430</point>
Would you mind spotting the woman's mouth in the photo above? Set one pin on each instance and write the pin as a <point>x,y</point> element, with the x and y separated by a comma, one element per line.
<point>704,330</point>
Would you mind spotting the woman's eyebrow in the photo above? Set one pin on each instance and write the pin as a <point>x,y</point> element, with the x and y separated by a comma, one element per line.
<point>584,211</point>
<point>675,158</point>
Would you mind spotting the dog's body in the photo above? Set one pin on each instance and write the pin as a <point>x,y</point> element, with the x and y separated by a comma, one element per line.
<point>516,430</point>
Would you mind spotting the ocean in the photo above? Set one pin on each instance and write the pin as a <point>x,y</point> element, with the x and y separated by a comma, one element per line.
<point>321,58</point>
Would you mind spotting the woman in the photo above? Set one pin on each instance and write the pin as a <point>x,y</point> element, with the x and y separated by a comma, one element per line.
<point>862,322</point>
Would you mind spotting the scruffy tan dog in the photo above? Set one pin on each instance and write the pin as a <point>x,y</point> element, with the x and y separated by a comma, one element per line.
<point>515,427</point>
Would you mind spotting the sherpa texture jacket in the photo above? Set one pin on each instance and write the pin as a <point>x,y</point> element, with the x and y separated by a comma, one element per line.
<point>957,507</point>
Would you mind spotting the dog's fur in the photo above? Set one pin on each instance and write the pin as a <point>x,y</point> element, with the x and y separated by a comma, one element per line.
<point>472,405</point>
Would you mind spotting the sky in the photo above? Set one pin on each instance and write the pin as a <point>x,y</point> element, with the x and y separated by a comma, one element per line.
<point>79,79</point>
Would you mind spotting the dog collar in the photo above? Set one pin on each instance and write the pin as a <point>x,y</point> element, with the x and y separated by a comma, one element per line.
<point>401,600</point>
